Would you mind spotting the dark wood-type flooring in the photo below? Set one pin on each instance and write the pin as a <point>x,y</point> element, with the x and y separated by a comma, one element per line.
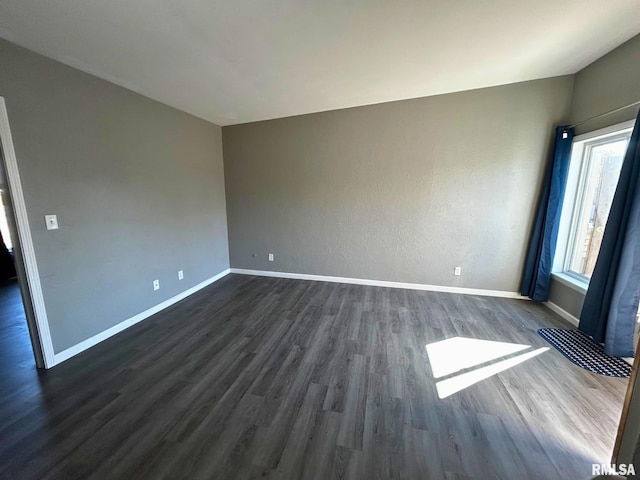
<point>262,377</point>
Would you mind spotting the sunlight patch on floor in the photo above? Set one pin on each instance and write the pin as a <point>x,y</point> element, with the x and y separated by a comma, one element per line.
<point>457,383</point>
<point>450,356</point>
<point>457,353</point>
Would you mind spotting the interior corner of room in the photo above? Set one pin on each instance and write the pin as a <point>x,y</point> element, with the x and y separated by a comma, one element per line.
<point>266,245</point>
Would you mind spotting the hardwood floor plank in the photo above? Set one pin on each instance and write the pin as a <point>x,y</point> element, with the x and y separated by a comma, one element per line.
<point>319,458</point>
<point>351,433</point>
<point>291,463</point>
<point>271,441</point>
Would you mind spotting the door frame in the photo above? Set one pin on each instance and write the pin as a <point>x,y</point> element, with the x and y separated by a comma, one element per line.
<point>628,436</point>
<point>24,253</point>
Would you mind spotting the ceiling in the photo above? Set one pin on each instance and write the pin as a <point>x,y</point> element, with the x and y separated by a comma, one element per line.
<point>233,61</point>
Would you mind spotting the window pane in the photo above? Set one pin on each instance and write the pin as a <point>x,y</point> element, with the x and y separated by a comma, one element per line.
<point>603,170</point>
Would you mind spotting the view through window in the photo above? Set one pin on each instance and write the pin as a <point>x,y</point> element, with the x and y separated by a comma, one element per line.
<point>601,164</point>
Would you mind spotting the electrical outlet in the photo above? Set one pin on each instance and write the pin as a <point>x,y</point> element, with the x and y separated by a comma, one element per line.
<point>51,221</point>
<point>180,274</point>
<point>156,284</point>
<point>271,257</point>
<point>457,271</point>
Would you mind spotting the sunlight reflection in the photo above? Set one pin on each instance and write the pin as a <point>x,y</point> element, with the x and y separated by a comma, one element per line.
<point>457,353</point>
<point>455,384</point>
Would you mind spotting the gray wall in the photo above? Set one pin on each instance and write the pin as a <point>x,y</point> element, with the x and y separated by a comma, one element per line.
<point>566,297</point>
<point>608,83</point>
<point>402,191</point>
<point>138,188</point>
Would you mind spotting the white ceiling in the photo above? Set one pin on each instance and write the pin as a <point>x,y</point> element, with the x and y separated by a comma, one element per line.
<point>233,61</point>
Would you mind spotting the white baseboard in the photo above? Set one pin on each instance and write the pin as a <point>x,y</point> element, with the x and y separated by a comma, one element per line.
<point>563,313</point>
<point>381,283</point>
<point>90,342</point>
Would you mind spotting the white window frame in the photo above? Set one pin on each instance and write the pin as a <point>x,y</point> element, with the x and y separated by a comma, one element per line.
<point>574,198</point>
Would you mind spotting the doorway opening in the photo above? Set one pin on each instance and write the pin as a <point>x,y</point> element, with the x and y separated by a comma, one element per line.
<point>19,354</point>
<point>16,348</point>
<point>25,340</point>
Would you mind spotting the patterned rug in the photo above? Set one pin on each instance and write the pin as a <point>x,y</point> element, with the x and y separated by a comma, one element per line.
<point>584,352</point>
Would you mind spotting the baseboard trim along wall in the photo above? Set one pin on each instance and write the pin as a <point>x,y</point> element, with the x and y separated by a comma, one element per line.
<point>381,283</point>
<point>562,312</point>
<point>90,342</point>
<point>100,337</point>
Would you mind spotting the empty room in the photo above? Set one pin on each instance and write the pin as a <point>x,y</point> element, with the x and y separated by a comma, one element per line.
<point>319,240</point>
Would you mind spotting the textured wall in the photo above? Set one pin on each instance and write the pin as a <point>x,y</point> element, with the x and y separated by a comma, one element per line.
<point>402,191</point>
<point>137,186</point>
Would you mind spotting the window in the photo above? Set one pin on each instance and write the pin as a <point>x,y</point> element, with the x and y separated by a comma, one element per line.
<point>601,164</point>
<point>596,160</point>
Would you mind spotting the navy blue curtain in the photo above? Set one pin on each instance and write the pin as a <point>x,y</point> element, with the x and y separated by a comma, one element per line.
<point>536,279</point>
<point>611,305</point>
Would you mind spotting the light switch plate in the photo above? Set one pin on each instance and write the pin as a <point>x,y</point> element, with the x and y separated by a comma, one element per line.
<point>51,221</point>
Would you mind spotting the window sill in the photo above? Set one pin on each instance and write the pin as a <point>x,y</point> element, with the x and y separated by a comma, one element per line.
<point>571,282</point>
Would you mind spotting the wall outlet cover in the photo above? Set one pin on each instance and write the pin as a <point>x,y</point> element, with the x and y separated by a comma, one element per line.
<point>51,221</point>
